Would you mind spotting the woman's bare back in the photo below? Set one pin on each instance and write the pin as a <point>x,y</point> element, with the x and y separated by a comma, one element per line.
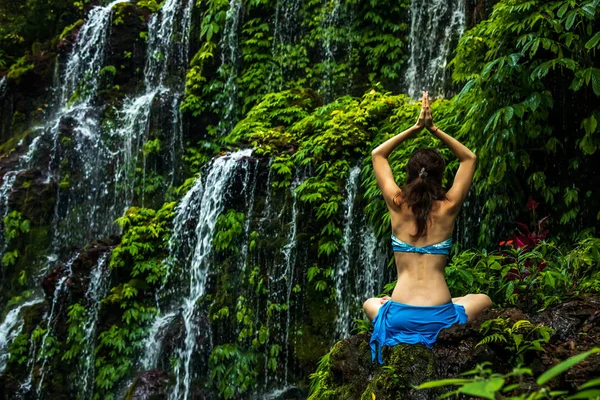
<point>421,276</point>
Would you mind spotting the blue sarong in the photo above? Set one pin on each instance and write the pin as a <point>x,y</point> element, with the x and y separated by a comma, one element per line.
<point>404,323</point>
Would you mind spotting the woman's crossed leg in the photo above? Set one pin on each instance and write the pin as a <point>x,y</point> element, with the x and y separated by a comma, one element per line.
<point>474,304</point>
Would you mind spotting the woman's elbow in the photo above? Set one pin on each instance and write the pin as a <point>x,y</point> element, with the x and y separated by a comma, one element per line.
<point>377,153</point>
<point>470,157</point>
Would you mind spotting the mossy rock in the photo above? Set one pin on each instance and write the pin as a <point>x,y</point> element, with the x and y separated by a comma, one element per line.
<point>350,374</point>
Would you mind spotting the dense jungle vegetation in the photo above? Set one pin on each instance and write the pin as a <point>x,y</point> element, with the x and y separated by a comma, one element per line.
<point>311,97</point>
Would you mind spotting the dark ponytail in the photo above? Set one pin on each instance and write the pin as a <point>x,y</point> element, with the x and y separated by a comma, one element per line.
<point>425,170</point>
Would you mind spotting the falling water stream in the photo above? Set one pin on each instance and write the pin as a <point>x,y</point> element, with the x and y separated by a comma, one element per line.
<point>12,326</point>
<point>206,200</point>
<point>343,263</point>
<point>435,27</point>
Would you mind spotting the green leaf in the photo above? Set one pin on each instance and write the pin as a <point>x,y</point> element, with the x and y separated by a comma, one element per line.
<point>563,10</point>
<point>596,81</point>
<point>565,365</point>
<point>570,19</point>
<point>593,41</point>
<point>485,389</point>
<point>443,382</point>
<point>591,383</point>
<point>586,394</point>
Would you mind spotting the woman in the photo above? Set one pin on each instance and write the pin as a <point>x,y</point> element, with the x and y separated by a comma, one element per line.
<point>422,216</point>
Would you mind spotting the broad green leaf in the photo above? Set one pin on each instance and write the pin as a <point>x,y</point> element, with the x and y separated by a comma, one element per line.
<point>586,394</point>
<point>570,19</point>
<point>565,365</point>
<point>485,389</point>
<point>591,383</point>
<point>593,41</point>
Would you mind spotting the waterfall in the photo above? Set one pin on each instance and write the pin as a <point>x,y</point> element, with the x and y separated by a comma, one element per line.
<point>163,50</point>
<point>134,124</point>
<point>330,22</point>
<point>59,288</point>
<point>435,28</point>
<point>97,290</point>
<point>176,145</point>
<point>8,181</point>
<point>184,213</point>
<point>153,341</point>
<point>205,202</point>
<point>372,265</point>
<point>229,66</point>
<point>87,57</point>
<point>79,200</point>
<point>11,328</point>
<point>165,55</point>
<point>3,87</point>
<point>249,191</point>
<point>289,252</point>
<point>343,264</point>
<point>286,29</point>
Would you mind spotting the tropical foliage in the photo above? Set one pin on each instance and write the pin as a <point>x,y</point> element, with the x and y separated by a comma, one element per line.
<point>482,382</point>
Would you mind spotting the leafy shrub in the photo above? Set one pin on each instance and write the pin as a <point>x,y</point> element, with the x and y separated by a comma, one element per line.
<point>482,382</point>
<point>517,339</point>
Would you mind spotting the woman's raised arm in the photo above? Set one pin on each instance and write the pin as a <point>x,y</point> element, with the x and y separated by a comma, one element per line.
<point>381,166</point>
<point>464,176</point>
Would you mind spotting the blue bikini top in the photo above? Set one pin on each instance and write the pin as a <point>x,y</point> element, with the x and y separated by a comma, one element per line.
<point>436,248</point>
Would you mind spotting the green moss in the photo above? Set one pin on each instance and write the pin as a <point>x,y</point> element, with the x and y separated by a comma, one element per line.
<point>64,183</point>
<point>19,68</point>
<point>109,69</point>
<point>120,10</point>
<point>348,373</point>
<point>69,29</point>
<point>151,5</point>
<point>11,144</point>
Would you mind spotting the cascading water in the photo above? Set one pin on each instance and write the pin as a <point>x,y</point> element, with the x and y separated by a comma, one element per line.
<point>183,214</point>
<point>203,203</point>
<point>61,285</point>
<point>97,289</point>
<point>3,87</point>
<point>81,200</point>
<point>372,265</point>
<point>165,56</point>
<point>82,71</point>
<point>165,53</point>
<point>286,29</point>
<point>435,27</point>
<point>330,22</point>
<point>7,183</point>
<point>343,263</point>
<point>229,66</point>
<point>249,191</point>
<point>289,251</point>
<point>11,327</point>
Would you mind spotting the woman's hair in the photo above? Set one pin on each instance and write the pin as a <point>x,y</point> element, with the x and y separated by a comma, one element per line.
<point>424,171</point>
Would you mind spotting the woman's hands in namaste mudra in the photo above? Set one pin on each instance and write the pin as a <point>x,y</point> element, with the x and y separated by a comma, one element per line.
<point>425,119</point>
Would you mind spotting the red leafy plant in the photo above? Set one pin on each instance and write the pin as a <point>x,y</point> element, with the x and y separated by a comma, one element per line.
<point>526,239</point>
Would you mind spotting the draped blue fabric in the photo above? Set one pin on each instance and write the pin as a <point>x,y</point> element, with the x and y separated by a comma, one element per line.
<point>404,323</point>
<point>437,248</point>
